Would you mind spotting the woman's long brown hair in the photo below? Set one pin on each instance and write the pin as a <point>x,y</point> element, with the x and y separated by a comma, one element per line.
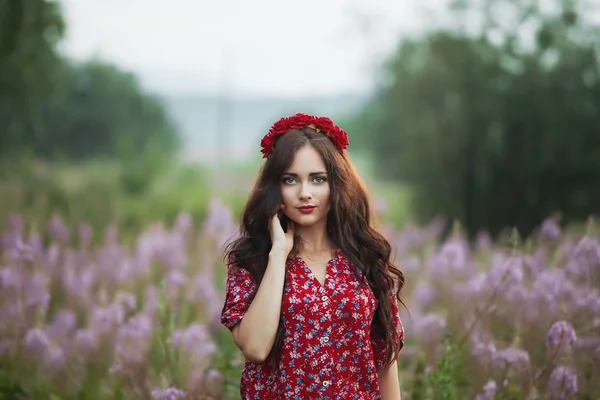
<point>349,224</point>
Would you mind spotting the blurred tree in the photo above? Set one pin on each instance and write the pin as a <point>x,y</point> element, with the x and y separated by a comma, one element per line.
<point>494,129</point>
<point>54,108</point>
<point>102,110</point>
<point>29,64</point>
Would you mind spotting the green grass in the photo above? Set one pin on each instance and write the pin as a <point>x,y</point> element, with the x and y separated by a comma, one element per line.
<point>101,192</point>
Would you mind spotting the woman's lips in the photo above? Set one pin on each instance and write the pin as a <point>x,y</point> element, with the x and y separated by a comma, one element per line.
<point>306,209</point>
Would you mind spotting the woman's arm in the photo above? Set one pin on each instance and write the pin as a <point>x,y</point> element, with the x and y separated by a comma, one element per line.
<point>255,333</point>
<point>389,382</point>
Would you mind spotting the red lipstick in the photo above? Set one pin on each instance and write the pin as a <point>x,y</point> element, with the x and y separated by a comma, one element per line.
<point>306,209</point>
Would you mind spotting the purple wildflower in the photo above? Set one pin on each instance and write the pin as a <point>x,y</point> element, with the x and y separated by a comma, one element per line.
<point>489,391</point>
<point>174,282</point>
<point>13,233</point>
<point>77,284</point>
<point>19,250</point>
<point>483,240</point>
<point>411,263</point>
<point>196,341</point>
<point>506,273</point>
<point>200,380</point>
<point>214,376</point>
<point>434,228</point>
<point>9,279</point>
<point>169,247</point>
<point>86,234</point>
<point>64,322</point>
<point>203,291</point>
<point>452,258</point>
<point>550,229</point>
<point>588,250</point>
<point>484,351</point>
<point>552,287</point>
<point>562,383</point>
<point>126,300</point>
<point>38,346</point>
<point>410,237</point>
<point>55,357</point>
<point>184,222</point>
<point>111,235</point>
<point>58,229</point>
<point>514,358</point>
<point>105,319</point>
<point>588,344</point>
<point>203,288</point>
<point>86,341</point>
<point>36,291</point>
<point>133,340</point>
<point>475,287</point>
<point>220,223</point>
<point>424,294</point>
<point>560,335</point>
<point>429,328</point>
<point>36,341</point>
<point>151,299</point>
<point>584,259</point>
<point>36,244</point>
<point>168,394</point>
<point>10,315</point>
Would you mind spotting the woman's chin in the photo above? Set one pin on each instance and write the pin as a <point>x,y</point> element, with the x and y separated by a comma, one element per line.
<point>305,221</point>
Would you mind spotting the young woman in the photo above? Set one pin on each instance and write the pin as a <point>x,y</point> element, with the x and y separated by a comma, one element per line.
<point>312,294</point>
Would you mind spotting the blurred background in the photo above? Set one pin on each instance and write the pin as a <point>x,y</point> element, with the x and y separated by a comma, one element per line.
<point>472,116</point>
<point>479,111</point>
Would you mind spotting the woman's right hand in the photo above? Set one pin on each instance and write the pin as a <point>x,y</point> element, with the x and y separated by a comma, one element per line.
<point>283,241</point>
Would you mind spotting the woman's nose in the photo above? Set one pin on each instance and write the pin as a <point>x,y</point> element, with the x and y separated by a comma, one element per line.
<point>305,194</point>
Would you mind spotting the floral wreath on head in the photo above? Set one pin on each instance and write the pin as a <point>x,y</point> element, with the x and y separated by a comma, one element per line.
<point>301,120</point>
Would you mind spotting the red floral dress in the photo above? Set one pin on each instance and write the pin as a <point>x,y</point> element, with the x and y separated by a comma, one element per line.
<point>328,352</point>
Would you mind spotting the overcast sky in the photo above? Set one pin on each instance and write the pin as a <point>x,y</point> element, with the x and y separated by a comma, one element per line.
<point>268,47</point>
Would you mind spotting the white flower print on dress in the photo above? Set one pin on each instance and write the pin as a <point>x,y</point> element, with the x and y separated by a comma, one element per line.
<point>328,352</point>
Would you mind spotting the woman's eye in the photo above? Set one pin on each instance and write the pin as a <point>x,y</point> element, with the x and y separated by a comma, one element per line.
<point>318,179</point>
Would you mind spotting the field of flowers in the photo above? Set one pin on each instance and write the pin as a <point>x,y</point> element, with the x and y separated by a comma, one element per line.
<point>113,321</point>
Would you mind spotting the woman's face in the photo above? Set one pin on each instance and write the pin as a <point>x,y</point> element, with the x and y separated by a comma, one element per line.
<point>305,188</point>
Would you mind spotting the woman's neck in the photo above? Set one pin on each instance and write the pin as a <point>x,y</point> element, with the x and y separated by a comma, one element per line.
<point>314,239</point>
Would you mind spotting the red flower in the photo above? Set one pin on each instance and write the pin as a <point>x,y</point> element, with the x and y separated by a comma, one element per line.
<point>301,120</point>
<point>340,137</point>
<point>324,124</point>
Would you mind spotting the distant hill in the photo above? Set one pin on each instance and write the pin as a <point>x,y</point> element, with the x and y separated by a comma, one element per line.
<point>213,128</point>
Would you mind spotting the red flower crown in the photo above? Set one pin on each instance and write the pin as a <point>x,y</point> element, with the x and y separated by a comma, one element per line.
<point>298,121</point>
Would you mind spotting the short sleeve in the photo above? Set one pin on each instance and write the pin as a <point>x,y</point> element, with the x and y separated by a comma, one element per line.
<point>240,288</point>
<point>378,344</point>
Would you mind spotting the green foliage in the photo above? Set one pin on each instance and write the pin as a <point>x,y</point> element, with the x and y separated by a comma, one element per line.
<point>104,111</point>
<point>54,108</point>
<point>493,134</point>
<point>442,379</point>
<point>29,33</point>
<point>96,193</point>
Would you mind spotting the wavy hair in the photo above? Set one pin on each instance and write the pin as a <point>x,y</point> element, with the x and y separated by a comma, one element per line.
<point>349,224</point>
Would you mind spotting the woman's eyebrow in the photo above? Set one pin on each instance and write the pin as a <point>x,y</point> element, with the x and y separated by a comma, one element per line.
<point>311,174</point>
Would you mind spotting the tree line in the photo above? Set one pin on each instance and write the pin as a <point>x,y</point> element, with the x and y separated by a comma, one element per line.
<point>498,128</point>
<point>58,109</point>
